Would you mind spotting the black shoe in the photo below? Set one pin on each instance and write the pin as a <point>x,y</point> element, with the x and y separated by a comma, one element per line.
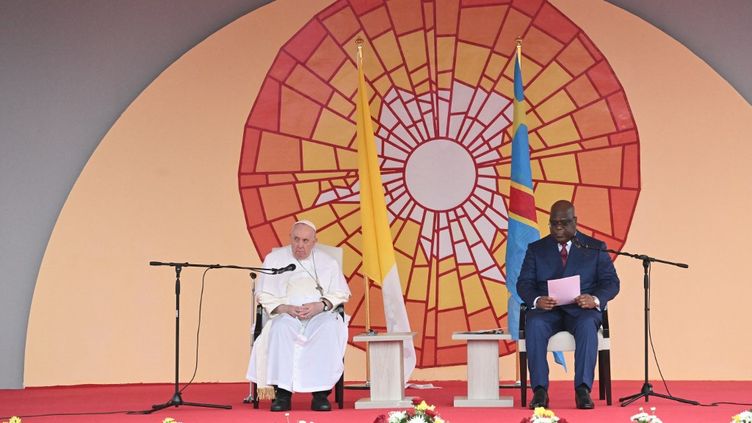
<point>582,398</point>
<point>320,402</point>
<point>282,400</point>
<point>540,398</point>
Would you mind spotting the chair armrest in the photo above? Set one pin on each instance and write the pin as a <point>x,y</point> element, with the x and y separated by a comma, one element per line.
<point>523,312</point>
<point>259,321</point>
<point>604,324</point>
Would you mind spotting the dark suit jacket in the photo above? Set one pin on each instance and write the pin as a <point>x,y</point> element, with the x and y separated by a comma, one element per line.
<point>543,262</point>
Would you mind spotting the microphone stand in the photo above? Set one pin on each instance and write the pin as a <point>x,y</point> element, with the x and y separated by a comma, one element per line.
<point>177,398</point>
<point>647,388</point>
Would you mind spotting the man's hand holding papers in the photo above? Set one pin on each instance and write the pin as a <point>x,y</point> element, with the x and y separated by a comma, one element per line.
<point>564,290</point>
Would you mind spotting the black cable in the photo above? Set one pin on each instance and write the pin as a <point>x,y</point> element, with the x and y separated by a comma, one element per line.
<point>650,337</point>
<point>715,404</point>
<point>85,413</point>
<point>195,370</point>
<point>198,328</point>
<point>663,379</point>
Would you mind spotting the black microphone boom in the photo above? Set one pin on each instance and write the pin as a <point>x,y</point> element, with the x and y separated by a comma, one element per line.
<point>643,257</point>
<point>264,270</point>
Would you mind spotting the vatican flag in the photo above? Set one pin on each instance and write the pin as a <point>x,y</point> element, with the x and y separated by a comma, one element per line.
<point>379,263</point>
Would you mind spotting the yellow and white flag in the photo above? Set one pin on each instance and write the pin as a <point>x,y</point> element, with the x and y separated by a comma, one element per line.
<point>379,263</point>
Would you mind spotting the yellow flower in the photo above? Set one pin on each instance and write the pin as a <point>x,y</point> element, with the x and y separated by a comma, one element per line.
<point>15,419</point>
<point>168,420</point>
<point>438,419</point>
<point>423,406</point>
<point>542,412</point>
<point>539,411</point>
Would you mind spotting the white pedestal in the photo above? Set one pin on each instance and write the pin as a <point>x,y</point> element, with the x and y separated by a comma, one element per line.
<point>387,370</point>
<point>482,371</point>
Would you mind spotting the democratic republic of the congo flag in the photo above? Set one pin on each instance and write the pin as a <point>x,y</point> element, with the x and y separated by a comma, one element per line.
<point>523,226</point>
<point>523,223</point>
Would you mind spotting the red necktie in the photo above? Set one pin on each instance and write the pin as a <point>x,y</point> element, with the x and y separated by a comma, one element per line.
<point>564,254</point>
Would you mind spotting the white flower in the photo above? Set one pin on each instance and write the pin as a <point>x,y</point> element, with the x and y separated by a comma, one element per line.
<point>416,419</point>
<point>543,415</point>
<point>643,417</point>
<point>743,417</point>
<point>544,419</point>
<point>397,416</point>
<point>638,416</point>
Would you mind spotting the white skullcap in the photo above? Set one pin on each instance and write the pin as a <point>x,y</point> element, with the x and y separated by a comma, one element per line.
<point>307,223</point>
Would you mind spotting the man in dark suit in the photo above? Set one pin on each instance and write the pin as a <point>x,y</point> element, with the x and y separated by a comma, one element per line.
<point>558,255</point>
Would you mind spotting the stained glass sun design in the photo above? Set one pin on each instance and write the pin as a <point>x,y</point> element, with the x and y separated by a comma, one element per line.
<point>440,87</point>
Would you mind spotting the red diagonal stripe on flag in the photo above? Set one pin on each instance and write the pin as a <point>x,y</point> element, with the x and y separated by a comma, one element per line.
<point>522,203</point>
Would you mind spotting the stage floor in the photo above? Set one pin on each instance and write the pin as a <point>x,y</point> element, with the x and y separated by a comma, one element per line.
<point>120,398</point>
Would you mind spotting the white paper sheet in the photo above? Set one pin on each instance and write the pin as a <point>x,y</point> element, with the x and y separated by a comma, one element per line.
<point>564,290</point>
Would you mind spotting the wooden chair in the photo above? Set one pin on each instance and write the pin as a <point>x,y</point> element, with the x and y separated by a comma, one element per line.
<point>261,318</point>
<point>564,341</point>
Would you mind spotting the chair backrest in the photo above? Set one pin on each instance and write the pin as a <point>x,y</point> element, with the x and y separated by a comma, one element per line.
<point>334,252</point>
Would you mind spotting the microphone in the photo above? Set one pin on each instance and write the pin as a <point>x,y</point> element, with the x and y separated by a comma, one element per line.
<point>289,268</point>
<point>160,263</point>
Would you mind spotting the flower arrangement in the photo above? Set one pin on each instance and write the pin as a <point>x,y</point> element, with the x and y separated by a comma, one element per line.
<point>743,417</point>
<point>643,417</point>
<point>543,415</point>
<point>420,413</point>
<point>14,419</point>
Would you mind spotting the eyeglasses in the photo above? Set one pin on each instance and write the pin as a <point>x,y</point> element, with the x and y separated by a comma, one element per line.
<point>561,222</point>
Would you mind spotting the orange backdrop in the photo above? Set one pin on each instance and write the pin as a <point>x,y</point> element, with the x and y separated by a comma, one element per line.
<point>163,185</point>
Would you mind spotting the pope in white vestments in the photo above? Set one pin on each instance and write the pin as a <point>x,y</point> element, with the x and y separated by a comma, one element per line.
<point>306,340</point>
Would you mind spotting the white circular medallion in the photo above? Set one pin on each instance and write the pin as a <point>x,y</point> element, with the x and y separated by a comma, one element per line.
<point>440,174</point>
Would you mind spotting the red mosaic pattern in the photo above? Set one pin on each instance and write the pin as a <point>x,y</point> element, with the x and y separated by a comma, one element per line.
<point>437,70</point>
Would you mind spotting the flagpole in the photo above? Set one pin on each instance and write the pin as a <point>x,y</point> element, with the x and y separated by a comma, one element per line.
<point>366,282</point>
<point>516,383</point>
<point>367,300</point>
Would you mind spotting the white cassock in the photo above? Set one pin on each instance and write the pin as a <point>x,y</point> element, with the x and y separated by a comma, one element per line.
<point>300,355</point>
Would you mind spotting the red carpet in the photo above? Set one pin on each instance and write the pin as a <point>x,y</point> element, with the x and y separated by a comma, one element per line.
<point>75,399</point>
